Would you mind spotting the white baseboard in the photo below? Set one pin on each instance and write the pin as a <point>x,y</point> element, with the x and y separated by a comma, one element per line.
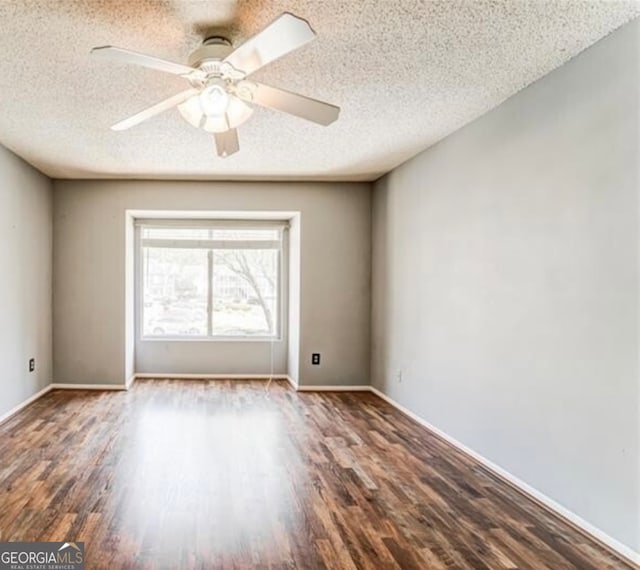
<point>59,386</point>
<point>540,498</point>
<point>24,404</point>
<point>170,375</point>
<point>343,388</point>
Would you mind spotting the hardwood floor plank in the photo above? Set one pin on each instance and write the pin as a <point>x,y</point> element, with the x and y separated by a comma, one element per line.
<point>226,474</point>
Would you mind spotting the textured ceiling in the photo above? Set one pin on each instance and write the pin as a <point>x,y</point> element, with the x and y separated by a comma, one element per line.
<point>405,72</point>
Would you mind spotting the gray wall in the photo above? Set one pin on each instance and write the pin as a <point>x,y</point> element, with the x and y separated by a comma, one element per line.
<point>25,284</point>
<point>89,274</point>
<point>505,285</point>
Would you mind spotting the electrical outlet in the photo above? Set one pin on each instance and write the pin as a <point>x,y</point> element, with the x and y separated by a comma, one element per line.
<point>32,364</point>
<point>315,359</point>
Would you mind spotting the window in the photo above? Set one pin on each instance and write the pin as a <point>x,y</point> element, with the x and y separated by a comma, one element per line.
<point>210,281</point>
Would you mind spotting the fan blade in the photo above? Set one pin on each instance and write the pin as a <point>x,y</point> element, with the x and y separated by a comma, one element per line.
<point>135,58</point>
<point>227,142</point>
<point>154,110</point>
<point>292,103</point>
<point>285,34</point>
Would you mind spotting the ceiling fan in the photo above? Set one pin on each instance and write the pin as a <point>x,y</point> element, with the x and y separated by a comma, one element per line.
<point>220,96</point>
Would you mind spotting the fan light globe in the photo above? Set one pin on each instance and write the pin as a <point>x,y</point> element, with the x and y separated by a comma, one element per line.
<point>214,100</point>
<point>237,113</point>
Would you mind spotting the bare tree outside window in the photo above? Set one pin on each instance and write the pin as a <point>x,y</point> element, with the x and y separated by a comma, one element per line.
<point>258,270</point>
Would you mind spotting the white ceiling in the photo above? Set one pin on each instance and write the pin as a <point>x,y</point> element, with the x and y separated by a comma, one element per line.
<point>405,72</point>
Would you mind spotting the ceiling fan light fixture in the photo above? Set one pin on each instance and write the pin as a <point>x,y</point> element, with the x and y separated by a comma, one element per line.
<point>236,113</point>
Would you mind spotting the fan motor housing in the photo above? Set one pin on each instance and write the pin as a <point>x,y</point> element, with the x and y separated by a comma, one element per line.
<point>215,48</point>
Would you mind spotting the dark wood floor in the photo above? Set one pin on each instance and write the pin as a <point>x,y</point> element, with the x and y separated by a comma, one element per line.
<point>196,474</point>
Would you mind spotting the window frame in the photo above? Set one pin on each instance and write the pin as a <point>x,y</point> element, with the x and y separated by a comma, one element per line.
<point>209,245</point>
